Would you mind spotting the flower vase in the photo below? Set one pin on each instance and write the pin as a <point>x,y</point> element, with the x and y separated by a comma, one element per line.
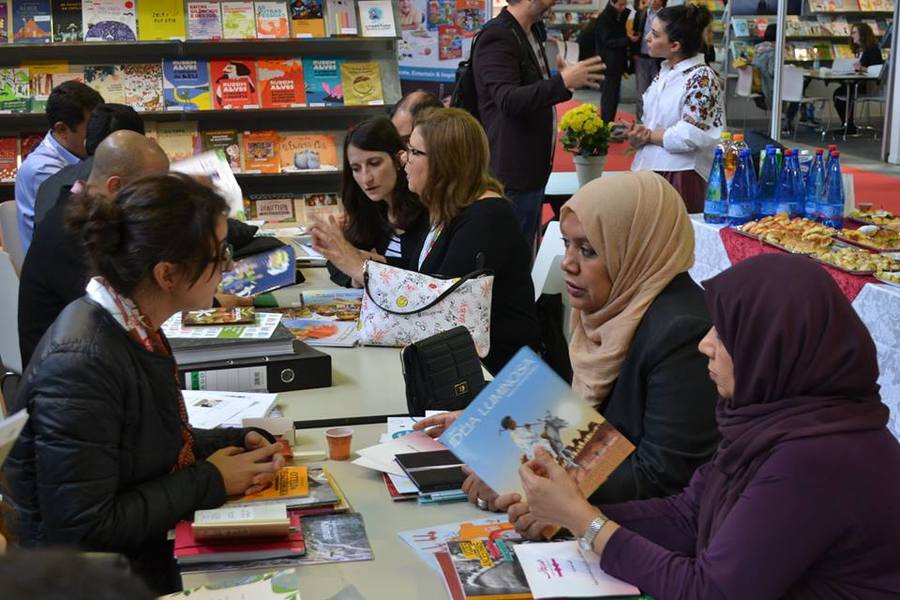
<point>588,167</point>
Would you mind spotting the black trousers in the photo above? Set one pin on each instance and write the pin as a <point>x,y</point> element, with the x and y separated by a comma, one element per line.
<point>610,91</point>
<point>840,104</point>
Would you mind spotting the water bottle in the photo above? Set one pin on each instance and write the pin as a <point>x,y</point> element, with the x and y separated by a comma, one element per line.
<point>715,207</point>
<point>740,198</point>
<point>724,142</point>
<point>815,187</point>
<point>747,159</point>
<point>768,183</point>
<point>799,184</point>
<point>789,193</point>
<point>733,155</point>
<point>832,208</point>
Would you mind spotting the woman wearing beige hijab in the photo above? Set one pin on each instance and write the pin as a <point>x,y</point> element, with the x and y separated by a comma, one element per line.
<point>637,318</point>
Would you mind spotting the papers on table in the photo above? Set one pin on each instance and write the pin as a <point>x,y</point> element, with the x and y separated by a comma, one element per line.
<point>262,330</point>
<point>843,66</point>
<point>208,410</point>
<point>380,457</point>
<point>397,427</point>
<point>564,570</point>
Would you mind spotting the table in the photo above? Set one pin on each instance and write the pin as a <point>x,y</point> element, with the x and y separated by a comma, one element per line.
<point>396,573</point>
<point>877,305</point>
<point>826,76</point>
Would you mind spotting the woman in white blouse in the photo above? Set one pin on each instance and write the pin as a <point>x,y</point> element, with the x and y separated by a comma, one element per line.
<point>683,113</point>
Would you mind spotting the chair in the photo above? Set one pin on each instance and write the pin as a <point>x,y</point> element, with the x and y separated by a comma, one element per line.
<point>876,97</point>
<point>9,226</point>
<point>9,315</point>
<point>792,89</point>
<point>546,273</point>
<point>744,88</point>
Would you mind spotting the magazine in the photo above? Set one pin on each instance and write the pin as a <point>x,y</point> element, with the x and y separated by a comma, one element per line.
<point>317,332</point>
<point>427,541</point>
<point>484,569</point>
<point>261,272</point>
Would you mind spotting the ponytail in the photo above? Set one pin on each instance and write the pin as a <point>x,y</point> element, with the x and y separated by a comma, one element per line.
<point>685,24</point>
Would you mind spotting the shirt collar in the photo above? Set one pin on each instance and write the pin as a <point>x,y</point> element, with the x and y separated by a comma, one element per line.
<point>60,149</point>
<point>685,64</point>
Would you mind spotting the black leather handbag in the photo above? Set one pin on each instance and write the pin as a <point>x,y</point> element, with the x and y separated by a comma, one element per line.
<point>442,372</point>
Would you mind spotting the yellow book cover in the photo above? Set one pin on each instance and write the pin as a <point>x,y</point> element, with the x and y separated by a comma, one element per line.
<point>342,505</point>
<point>362,84</point>
<point>307,152</point>
<point>40,76</point>
<point>161,20</point>
<point>178,139</point>
<point>290,482</point>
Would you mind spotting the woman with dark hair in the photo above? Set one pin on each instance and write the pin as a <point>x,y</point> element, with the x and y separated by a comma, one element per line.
<point>108,461</point>
<point>800,500</point>
<point>865,48</point>
<point>382,218</point>
<point>683,111</point>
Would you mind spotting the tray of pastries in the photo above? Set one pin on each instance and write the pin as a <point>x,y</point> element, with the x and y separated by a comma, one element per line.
<point>856,260</point>
<point>892,279</point>
<point>871,237</point>
<point>869,216</point>
<point>797,235</point>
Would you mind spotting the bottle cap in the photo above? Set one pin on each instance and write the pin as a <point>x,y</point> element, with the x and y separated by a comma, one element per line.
<point>738,137</point>
<point>718,152</point>
<point>788,152</point>
<point>832,147</point>
<point>835,154</point>
<point>726,135</point>
<point>819,152</point>
<point>770,149</point>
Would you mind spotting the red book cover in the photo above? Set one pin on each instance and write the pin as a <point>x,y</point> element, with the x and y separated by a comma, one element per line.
<point>449,42</point>
<point>281,83</point>
<point>392,490</point>
<point>234,84</point>
<point>451,578</point>
<point>9,155</point>
<point>190,551</point>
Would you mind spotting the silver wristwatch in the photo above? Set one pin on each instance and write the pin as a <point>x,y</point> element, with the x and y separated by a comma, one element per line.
<point>586,542</point>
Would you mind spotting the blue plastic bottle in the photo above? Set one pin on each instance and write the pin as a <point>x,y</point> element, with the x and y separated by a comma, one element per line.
<point>754,183</point>
<point>815,188</point>
<point>768,183</point>
<point>789,194</point>
<point>741,198</point>
<point>799,184</point>
<point>715,207</point>
<point>832,208</point>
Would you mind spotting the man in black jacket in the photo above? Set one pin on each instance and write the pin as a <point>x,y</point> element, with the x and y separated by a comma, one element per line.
<point>516,99</point>
<point>645,66</point>
<point>613,47</point>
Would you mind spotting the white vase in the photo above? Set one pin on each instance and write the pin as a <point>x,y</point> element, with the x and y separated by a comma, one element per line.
<point>588,167</point>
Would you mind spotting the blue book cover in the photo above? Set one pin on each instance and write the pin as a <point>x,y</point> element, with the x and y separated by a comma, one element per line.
<point>261,272</point>
<point>186,84</point>
<point>31,21</point>
<point>322,79</point>
<point>528,405</point>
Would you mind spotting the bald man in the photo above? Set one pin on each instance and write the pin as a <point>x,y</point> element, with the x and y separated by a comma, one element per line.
<point>404,113</point>
<point>54,272</point>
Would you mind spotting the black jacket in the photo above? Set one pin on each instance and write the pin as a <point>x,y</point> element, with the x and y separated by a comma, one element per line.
<point>663,400</point>
<point>640,19</point>
<point>51,189</point>
<point>489,228</point>
<point>93,466</point>
<point>612,40</point>
<point>516,103</point>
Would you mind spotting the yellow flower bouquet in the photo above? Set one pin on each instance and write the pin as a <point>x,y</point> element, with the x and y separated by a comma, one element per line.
<point>584,132</point>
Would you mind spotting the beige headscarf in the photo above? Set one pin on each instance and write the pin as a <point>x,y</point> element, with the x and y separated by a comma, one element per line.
<point>639,227</point>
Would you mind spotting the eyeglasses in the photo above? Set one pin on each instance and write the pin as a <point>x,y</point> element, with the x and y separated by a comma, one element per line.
<point>414,152</point>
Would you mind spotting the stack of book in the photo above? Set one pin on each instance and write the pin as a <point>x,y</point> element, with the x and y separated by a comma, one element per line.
<point>325,318</point>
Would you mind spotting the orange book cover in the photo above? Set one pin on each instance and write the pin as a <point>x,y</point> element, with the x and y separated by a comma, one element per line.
<point>308,152</point>
<point>234,83</point>
<point>290,482</point>
<point>261,152</point>
<point>281,83</point>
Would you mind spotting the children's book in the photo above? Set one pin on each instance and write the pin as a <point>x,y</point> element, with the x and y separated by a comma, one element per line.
<point>273,208</point>
<point>361,83</point>
<point>108,80</point>
<point>341,17</point>
<point>320,332</point>
<point>339,305</point>
<point>429,540</point>
<point>161,20</point>
<point>74,73</point>
<point>4,22</point>
<point>483,569</point>
<point>307,19</point>
<point>238,20</point>
<point>234,84</point>
<point>322,77</point>
<point>9,158</point>
<point>144,86</point>
<point>449,42</point>
<point>261,152</point>
<point>186,84</point>
<point>272,20</point>
<point>318,206</point>
<point>227,141</point>
<point>281,83</point>
<point>40,82</point>
<point>440,12</point>
<point>109,20</point>
<point>470,16</point>
<point>67,24</point>
<point>15,95</point>
<point>376,18</point>
<point>218,316</point>
<point>307,152</point>
<point>178,139</point>
<point>31,21</point>
<point>741,27</point>
<point>260,273</point>
<point>204,21</point>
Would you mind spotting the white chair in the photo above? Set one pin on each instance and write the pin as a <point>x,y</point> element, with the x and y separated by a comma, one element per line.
<point>9,226</point>
<point>875,97</point>
<point>744,87</point>
<point>792,89</point>
<point>546,273</point>
<point>9,315</point>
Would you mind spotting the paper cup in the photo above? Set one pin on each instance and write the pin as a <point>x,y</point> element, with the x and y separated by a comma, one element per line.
<point>339,439</point>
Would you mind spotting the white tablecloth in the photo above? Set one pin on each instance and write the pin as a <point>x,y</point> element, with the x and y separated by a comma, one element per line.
<point>877,305</point>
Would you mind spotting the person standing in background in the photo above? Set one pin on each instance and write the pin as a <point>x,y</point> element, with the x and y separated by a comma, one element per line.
<point>645,66</point>
<point>612,44</point>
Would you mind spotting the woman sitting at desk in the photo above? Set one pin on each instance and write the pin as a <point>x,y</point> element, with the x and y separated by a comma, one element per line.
<point>108,461</point>
<point>867,52</point>
<point>800,501</point>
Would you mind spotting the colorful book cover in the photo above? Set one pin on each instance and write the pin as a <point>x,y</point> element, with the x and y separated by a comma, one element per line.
<point>109,20</point>
<point>178,139</point>
<point>340,304</point>
<point>307,152</point>
<point>843,51</point>
<point>15,95</point>
<point>318,332</point>
<point>108,80</point>
<point>188,549</point>
<point>440,12</point>
<point>227,141</point>
<point>40,82</point>
<point>204,21</point>
<point>483,569</point>
<point>31,21</point>
<point>335,538</point>
<point>161,20</point>
<point>67,24</point>
<point>272,20</point>
<point>144,86</point>
<point>9,158</point>
<point>470,16</point>
<point>528,406</point>
<point>362,84</point>
<point>218,316</point>
<point>376,18</point>
<point>261,152</point>
<point>322,78</point>
<point>234,84</point>
<point>427,541</point>
<point>341,17</point>
<point>186,84</point>
<point>260,273</point>
<point>449,42</point>
<point>307,19</point>
<point>74,73</point>
<point>238,20</point>
<point>4,23</point>
<point>318,206</point>
<point>281,83</point>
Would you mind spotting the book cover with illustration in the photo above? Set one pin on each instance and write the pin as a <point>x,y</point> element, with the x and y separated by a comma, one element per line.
<point>318,332</point>
<point>234,84</point>
<point>341,17</point>
<point>161,20</point>
<point>272,20</point>
<point>484,569</point>
<point>204,21</point>
<point>339,305</point>
<point>144,86</point>
<point>317,206</point>
<point>4,23</point>
<point>67,23</point>
<point>186,84</point>
<point>322,78</point>
<point>260,273</point>
<point>218,316</point>
<point>281,83</point>
<point>376,18</point>
<point>272,208</point>
<point>449,42</point>
<point>527,405</point>
<point>178,139</point>
<point>307,19</point>
<point>74,73</point>
<point>238,20</point>
<point>109,20</point>
<point>335,538</point>
<point>227,141</point>
<point>9,158</point>
<point>361,83</point>
<point>427,541</point>
<point>307,152</point>
<point>108,80</point>
<point>40,82</point>
<point>261,152</point>
<point>32,21</point>
<point>440,12</point>
<point>470,16</point>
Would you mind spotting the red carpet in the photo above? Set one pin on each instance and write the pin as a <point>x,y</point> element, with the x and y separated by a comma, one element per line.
<point>616,160</point>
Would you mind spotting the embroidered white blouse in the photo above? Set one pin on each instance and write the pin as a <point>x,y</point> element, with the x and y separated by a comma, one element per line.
<point>686,101</point>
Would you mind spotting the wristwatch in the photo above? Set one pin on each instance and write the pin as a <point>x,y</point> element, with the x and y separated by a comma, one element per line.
<point>586,541</point>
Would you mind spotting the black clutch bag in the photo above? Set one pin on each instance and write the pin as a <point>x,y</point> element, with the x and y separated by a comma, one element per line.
<point>442,372</point>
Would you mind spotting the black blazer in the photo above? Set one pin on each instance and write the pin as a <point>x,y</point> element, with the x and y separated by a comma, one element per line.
<point>612,40</point>
<point>489,228</point>
<point>663,400</point>
<point>516,103</point>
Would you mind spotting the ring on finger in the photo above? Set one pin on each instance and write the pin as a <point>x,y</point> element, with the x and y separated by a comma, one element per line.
<point>481,503</point>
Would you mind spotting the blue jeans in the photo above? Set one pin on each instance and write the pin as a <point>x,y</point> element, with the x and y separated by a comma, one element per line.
<point>528,205</point>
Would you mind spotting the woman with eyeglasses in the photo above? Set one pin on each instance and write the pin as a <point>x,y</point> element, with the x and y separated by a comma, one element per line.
<point>108,461</point>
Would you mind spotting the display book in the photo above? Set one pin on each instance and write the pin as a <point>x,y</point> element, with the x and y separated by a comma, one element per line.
<point>325,318</point>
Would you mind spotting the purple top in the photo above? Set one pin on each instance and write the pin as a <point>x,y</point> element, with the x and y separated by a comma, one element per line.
<point>818,519</point>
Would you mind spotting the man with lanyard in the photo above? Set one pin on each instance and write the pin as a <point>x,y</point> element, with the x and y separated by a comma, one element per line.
<point>645,66</point>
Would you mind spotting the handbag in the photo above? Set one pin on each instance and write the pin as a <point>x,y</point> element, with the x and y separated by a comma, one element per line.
<point>401,307</point>
<point>442,372</point>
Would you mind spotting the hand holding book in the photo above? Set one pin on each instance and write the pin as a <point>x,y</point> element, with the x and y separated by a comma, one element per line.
<point>247,471</point>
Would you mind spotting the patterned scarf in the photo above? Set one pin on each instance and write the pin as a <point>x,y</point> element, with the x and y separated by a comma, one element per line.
<point>127,314</point>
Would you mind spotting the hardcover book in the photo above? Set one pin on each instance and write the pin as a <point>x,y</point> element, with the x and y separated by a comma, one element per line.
<point>266,520</point>
<point>361,83</point>
<point>67,24</point>
<point>9,158</point>
<point>307,19</point>
<point>234,84</point>
<point>190,550</point>
<point>322,78</point>
<point>177,139</point>
<point>144,86</point>
<point>186,84</point>
<point>161,20</point>
<point>238,20</point>
<point>261,152</point>
<point>108,80</point>
<point>31,21</point>
<point>260,273</point>
<point>204,21</point>
<point>376,18</point>
<point>281,83</point>
<point>307,152</point>
<point>109,20</point>
<point>272,20</point>
<point>227,141</point>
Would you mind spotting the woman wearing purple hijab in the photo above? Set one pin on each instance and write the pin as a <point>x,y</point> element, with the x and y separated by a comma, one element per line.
<point>802,498</point>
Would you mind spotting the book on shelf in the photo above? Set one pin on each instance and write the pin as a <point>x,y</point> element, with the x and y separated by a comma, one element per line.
<point>67,23</point>
<point>40,82</point>
<point>470,17</point>
<point>109,20</point>
<point>234,84</point>
<point>9,158</point>
<point>843,51</point>
<point>204,21</point>
<point>449,42</point>
<point>322,78</point>
<point>307,18</point>
<point>74,73</point>
<point>272,20</point>
<point>190,550</point>
<point>4,22</point>
<point>376,18</point>
<point>15,95</point>
<point>361,83</point>
<point>281,83</point>
<point>307,152</point>
<point>741,27</point>
<point>319,206</point>
<point>261,152</point>
<point>493,561</point>
<point>186,84</point>
<point>228,142</point>
<point>440,12</point>
<point>144,86</point>
<point>759,26</point>
<point>341,17</point>
<point>107,80</point>
<point>31,21</point>
<point>263,521</point>
<point>272,208</point>
<point>178,139</point>
<point>161,20</point>
<point>238,20</point>
<point>822,51</point>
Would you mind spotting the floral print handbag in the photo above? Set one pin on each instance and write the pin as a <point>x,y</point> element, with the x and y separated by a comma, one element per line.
<point>401,307</point>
